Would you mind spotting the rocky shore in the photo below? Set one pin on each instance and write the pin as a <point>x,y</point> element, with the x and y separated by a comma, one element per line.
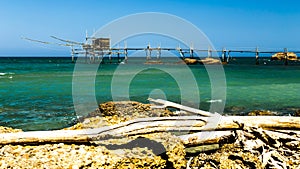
<point>162,150</point>
<point>152,150</point>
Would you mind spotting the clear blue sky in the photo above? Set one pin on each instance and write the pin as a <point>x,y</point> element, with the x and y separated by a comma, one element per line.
<point>229,23</point>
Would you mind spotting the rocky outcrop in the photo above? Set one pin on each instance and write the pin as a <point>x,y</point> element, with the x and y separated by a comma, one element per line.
<point>206,61</point>
<point>297,113</point>
<point>154,62</point>
<point>142,153</point>
<point>261,113</point>
<point>210,61</point>
<point>229,156</point>
<point>116,112</point>
<point>9,130</point>
<point>253,142</point>
<point>281,56</point>
<point>156,150</point>
<point>190,61</point>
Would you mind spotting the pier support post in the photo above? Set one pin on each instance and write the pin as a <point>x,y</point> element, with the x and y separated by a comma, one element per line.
<point>93,57</point>
<point>224,57</point>
<point>72,54</point>
<point>110,57</point>
<point>181,53</point>
<point>192,51</point>
<point>125,51</point>
<point>209,52</point>
<point>158,53</point>
<point>148,52</point>
<point>126,55</point>
<point>285,56</point>
<point>228,56</point>
<point>256,56</point>
<point>86,53</point>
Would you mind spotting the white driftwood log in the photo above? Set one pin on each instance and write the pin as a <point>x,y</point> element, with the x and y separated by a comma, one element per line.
<point>205,137</point>
<point>150,125</point>
<point>165,104</point>
<point>217,126</point>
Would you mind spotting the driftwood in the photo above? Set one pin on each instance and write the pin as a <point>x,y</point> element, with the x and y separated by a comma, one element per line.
<point>206,137</point>
<point>150,125</point>
<point>165,104</point>
<point>210,129</point>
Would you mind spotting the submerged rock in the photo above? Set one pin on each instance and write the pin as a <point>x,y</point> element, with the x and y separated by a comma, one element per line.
<point>153,62</point>
<point>210,61</point>
<point>235,110</point>
<point>281,56</point>
<point>261,113</point>
<point>190,61</point>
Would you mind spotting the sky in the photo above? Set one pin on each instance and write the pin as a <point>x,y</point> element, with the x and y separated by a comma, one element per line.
<point>267,24</point>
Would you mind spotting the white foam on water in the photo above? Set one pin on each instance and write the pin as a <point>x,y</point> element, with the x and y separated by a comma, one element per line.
<point>5,73</point>
<point>214,101</point>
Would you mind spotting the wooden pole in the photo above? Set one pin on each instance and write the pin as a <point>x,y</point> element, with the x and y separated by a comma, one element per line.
<point>126,56</point>
<point>118,57</point>
<point>224,57</point>
<point>148,52</point>
<point>72,54</point>
<point>256,56</point>
<point>285,56</point>
<point>209,52</point>
<point>228,55</point>
<point>110,57</point>
<point>125,51</point>
<point>93,57</point>
<point>192,51</point>
<point>86,52</point>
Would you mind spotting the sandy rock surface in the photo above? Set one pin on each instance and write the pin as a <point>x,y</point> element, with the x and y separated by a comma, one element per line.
<point>158,150</point>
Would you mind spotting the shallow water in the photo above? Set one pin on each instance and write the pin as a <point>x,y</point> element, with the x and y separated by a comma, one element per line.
<point>36,93</point>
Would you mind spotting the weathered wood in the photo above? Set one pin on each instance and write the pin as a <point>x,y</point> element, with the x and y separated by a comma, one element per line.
<point>44,136</point>
<point>153,124</point>
<point>165,104</point>
<point>160,124</point>
<point>265,122</point>
<point>205,137</point>
<point>121,129</point>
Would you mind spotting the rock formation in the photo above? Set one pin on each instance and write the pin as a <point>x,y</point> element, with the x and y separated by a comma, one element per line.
<point>209,61</point>
<point>281,56</point>
<point>190,61</point>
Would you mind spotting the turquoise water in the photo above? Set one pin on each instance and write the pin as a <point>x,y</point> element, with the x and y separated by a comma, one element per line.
<point>36,93</point>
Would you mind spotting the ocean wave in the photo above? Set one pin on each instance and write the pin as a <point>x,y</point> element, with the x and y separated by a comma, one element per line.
<point>214,101</point>
<point>3,74</point>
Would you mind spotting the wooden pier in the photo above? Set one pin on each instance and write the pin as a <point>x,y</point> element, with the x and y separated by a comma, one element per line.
<point>183,53</point>
<point>101,48</point>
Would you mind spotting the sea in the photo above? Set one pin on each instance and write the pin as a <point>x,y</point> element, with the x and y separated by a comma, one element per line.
<point>48,93</point>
